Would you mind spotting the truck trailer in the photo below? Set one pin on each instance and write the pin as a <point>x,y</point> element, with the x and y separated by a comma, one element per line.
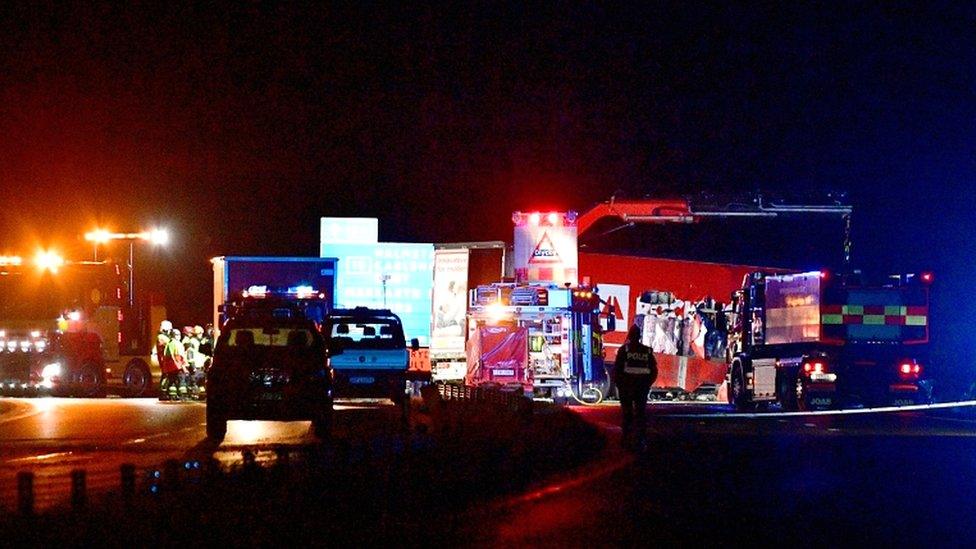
<point>237,276</point>
<point>458,268</point>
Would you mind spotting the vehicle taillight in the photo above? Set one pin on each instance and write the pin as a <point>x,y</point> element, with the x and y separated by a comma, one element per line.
<point>815,367</point>
<point>909,368</point>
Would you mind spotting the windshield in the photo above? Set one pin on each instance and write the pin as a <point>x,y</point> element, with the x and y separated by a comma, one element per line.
<point>371,333</point>
<point>237,338</point>
<point>29,295</point>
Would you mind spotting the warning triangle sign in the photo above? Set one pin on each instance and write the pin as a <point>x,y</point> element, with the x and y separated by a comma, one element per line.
<point>544,251</point>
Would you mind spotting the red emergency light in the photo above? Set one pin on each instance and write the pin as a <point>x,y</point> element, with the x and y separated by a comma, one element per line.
<point>927,277</point>
<point>552,219</point>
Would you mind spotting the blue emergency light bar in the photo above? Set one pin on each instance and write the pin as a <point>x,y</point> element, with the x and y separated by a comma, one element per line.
<point>295,292</point>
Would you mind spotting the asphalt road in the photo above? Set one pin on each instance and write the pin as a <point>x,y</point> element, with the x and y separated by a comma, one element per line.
<point>53,436</point>
<point>861,478</point>
<point>709,476</point>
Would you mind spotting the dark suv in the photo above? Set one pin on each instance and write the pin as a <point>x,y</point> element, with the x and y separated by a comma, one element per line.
<point>270,367</point>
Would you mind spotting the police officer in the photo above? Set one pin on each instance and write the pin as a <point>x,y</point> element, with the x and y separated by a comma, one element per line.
<point>635,371</point>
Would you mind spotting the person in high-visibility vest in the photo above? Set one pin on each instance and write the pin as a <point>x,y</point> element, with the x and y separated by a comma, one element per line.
<point>635,371</point>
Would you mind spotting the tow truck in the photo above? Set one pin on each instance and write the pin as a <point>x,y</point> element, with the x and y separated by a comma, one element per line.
<point>819,340</point>
<point>66,329</point>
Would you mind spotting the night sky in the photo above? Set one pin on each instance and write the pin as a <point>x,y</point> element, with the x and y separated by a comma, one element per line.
<point>238,125</point>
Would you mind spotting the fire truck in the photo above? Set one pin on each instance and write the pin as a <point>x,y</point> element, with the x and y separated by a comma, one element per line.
<point>818,340</point>
<point>67,329</point>
<point>542,338</point>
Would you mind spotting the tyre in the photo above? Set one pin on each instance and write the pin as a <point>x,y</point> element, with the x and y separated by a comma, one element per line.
<point>86,381</point>
<point>216,424</point>
<point>737,389</point>
<point>137,379</point>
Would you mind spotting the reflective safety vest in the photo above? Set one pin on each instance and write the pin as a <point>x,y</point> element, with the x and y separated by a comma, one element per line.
<point>637,362</point>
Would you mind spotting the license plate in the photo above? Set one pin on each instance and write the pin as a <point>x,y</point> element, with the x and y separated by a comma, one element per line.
<point>503,372</point>
<point>270,396</point>
<point>361,380</point>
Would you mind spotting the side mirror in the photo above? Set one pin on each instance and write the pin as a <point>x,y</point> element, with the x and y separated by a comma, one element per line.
<point>414,344</point>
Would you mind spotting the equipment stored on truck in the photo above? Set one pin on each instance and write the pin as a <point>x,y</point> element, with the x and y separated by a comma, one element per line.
<point>817,340</point>
<point>541,337</point>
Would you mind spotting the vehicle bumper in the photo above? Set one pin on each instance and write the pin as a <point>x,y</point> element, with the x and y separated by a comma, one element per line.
<point>369,383</point>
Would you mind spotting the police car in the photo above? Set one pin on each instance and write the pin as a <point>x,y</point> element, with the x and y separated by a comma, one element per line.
<point>269,363</point>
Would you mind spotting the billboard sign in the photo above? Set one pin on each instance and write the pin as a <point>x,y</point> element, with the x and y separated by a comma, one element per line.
<point>387,275</point>
<point>349,230</point>
<point>449,301</point>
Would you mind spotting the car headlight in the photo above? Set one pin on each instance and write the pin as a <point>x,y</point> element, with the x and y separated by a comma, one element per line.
<point>51,370</point>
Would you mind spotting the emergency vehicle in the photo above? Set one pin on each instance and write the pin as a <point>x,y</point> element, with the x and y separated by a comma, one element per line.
<point>817,340</point>
<point>67,328</point>
<point>539,337</point>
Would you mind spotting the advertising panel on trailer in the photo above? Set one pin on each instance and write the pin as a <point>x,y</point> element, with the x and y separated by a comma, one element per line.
<point>457,268</point>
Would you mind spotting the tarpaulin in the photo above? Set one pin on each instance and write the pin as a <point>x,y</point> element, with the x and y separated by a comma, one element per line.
<point>498,354</point>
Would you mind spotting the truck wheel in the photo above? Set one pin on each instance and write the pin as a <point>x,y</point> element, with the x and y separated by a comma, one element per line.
<point>737,390</point>
<point>137,379</point>
<point>216,424</point>
<point>86,381</point>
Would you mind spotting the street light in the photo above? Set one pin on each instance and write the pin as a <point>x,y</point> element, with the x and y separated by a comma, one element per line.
<point>157,237</point>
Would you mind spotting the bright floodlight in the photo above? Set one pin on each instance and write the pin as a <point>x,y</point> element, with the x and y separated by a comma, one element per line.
<point>48,261</point>
<point>159,237</point>
<point>100,236</point>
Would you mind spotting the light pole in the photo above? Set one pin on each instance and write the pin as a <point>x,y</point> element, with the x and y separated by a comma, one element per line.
<point>158,237</point>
